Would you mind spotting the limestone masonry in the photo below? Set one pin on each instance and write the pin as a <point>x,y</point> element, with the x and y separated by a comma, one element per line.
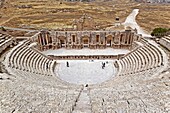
<point>30,82</point>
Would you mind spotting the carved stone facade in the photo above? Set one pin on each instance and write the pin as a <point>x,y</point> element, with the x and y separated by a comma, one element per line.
<point>85,39</point>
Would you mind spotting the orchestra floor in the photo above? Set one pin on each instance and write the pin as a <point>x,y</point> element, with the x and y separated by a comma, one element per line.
<point>85,71</point>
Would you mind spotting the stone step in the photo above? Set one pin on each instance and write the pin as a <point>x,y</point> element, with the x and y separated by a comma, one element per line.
<point>83,105</point>
<point>85,111</point>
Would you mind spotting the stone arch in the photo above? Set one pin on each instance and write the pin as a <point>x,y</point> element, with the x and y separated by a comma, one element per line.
<point>50,40</point>
<point>97,38</point>
<point>73,38</point>
<point>62,41</point>
<point>109,40</point>
<point>50,46</point>
<point>85,40</point>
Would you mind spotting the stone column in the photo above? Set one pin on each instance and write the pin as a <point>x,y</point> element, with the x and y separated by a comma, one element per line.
<point>124,38</point>
<point>47,38</point>
<point>39,39</point>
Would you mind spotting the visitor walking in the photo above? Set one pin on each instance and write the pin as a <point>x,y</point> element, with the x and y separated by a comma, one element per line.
<point>103,65</point>
<point>67,64</point>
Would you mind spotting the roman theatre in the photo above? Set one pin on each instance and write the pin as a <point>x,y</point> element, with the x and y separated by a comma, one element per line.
<point>85,51</point>
<point>84,71</point>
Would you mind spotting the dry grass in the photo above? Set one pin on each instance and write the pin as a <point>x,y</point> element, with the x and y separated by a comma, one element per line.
<point>50,14</point>
<point>152,16</point>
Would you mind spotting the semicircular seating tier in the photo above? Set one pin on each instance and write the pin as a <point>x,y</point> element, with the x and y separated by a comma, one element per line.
<point>144,57</point>
<point>29,59</point>
<point>27,66</point>
<point>34,92</point>
<point>141,84</point>
<point>138,91</point>
<point>5,41</point>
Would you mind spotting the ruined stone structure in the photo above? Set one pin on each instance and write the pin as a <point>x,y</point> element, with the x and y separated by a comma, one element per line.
<point>31,84</point>
<point>84,23</point>
<point>85,39</point>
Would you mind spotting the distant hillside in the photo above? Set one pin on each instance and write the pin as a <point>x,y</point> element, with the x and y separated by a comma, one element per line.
<point>154,1</point>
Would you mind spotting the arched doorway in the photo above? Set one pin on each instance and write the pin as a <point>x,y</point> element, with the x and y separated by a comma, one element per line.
<point>109,40</point>
<point>97,38</point>
<point>62,41</point>
<point>85,41</point>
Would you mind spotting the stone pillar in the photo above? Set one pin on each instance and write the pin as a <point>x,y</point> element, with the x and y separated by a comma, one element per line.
<point>42,38</point>
<point>39,40</point>
<point>124,36</point>
<point>47,38</point>
<point>119,37</point>
<point>130,39</point>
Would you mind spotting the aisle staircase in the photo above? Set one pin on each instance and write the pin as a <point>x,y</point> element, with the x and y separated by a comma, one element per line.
<point>83,104</point>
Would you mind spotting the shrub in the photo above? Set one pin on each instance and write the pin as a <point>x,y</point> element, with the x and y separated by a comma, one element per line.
<point>159,32</point>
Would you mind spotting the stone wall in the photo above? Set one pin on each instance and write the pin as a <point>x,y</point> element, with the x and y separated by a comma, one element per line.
<point>86,57</point>
<point>85,39</point>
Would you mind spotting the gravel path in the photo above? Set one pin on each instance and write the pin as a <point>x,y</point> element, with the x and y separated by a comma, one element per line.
<point>131,21</point>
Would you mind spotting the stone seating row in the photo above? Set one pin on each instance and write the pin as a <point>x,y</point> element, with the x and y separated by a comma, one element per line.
<point>138,92</point>
<point>5,41</point>
<point>28,59</point>
<point>143,58</point>
<point>141,91</point>
<point>37,93</point>
<point>165,41</point>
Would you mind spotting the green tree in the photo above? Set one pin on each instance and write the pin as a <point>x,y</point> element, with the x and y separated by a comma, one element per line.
<point>159,32</point>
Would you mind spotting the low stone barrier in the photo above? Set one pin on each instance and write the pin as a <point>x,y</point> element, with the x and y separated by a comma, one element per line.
<point>86,57</point>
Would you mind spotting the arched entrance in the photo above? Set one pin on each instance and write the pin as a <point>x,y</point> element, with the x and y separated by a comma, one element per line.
<point>109,40</point>
<point>97,38</point>
<point>85,41</point>
<point>62,41</point>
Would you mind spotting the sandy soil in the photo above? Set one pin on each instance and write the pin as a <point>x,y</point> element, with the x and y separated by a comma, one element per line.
<point>50,14</point>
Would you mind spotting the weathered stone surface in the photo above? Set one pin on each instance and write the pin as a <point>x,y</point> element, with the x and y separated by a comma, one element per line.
<point>142,86</point>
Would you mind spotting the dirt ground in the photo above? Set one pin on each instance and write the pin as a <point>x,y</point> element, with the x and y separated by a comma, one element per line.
<point>54,14</point>
<point>152,16</point>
